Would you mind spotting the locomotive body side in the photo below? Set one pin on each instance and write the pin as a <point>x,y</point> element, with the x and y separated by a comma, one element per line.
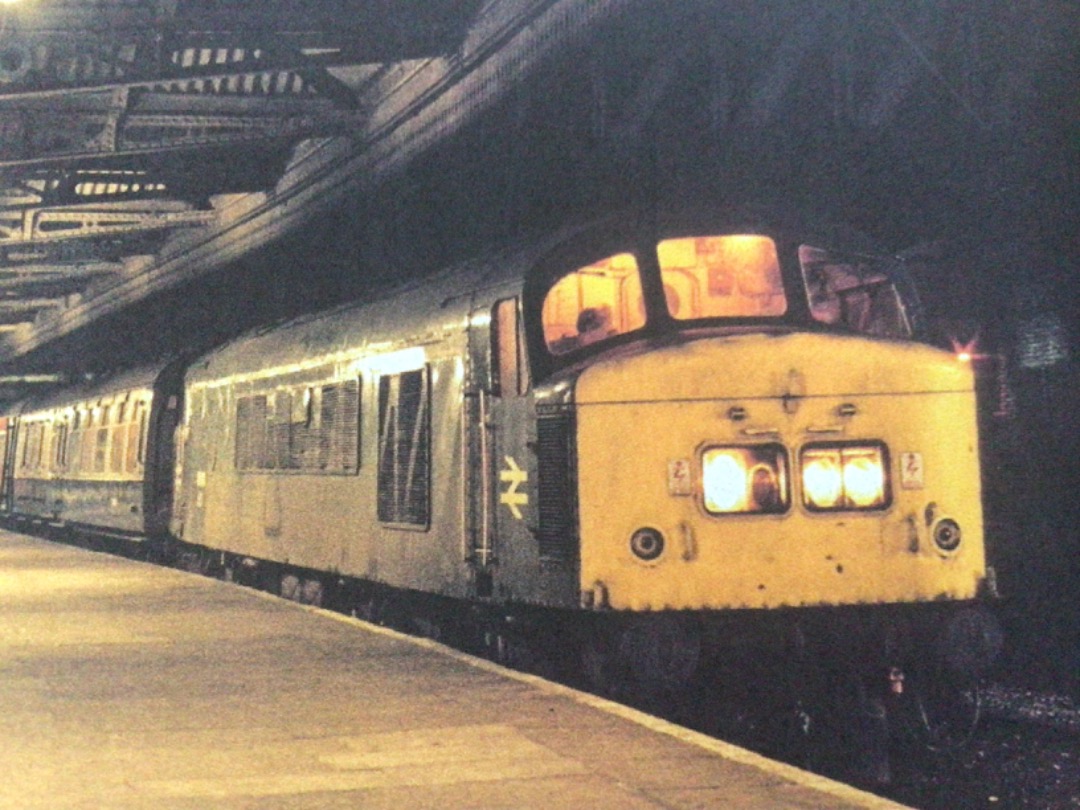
<point>359,443</point>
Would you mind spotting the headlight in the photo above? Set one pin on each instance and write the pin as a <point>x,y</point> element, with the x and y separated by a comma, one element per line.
<point>841,477</point>
<point>738,480</point>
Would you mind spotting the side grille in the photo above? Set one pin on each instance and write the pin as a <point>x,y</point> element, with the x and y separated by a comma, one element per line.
<point>557,488</point>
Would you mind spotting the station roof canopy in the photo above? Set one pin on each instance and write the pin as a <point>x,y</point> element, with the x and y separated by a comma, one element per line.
<point>145,143</point>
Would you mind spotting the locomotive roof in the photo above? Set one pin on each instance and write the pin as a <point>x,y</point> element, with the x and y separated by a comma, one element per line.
<point>421,308</point>
<point>426,307</point>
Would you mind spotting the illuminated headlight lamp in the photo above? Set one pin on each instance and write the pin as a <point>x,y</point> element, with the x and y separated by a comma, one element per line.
<point>741,480</point>
<point>845,477</point>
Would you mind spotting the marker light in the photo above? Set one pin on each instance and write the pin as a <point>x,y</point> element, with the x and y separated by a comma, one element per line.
<point>841,477</point>
<point>864,479</point>
<point>744,479</point>
<point>947,535</point>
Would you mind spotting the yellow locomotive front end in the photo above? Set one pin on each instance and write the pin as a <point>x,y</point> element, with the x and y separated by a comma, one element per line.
<point>762,451</point>
<point>778,470</point>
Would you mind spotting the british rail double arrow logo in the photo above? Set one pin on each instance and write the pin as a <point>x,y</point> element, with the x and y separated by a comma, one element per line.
<point>515,476</point>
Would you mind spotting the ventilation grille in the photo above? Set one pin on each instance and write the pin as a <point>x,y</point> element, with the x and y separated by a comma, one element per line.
<point>557,488</point>
<point>314,429</point>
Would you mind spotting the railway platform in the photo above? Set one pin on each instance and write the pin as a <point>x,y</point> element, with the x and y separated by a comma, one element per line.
<point>125,685</point>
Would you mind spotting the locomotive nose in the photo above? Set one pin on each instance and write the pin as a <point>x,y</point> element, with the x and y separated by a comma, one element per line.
<point>776,471</point>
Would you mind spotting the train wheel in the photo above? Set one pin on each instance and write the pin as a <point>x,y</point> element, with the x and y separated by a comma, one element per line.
<point>312,592</point>
<point>843,723</point>
<point>943,709</point>
<point>511,650</point>
<point>195,562</point>
<point>599,661</point>
<point>289,587</point>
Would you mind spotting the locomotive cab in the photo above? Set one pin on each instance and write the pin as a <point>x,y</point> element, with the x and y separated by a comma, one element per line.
<point>735,423</point>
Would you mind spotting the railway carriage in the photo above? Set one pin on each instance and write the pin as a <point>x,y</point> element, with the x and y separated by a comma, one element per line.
<point>95,458</point>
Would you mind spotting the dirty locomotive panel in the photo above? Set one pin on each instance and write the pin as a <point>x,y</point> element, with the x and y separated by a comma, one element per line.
<point>649,440</point>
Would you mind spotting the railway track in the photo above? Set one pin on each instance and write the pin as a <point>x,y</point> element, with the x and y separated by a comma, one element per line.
<point>1024,753</point>
<point>1010,763</point>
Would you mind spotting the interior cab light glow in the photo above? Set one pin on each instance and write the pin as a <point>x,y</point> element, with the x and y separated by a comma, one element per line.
<point>764,488</point>
<point>724,276</point>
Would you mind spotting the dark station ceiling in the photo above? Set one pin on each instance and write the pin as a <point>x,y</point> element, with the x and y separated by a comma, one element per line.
<point>146,145</point>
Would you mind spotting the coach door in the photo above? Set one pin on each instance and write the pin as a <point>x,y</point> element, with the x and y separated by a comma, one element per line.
<point>497,443</point>
<point>7,462</point>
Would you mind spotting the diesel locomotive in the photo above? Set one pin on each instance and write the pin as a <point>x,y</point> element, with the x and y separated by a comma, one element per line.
<point>650,437</point>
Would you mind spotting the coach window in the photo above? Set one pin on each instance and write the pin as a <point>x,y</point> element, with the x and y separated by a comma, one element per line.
<point>119,434</point>
<point>86,446</point>
<point>74,443</point>
<point>136,437</point>
<point>510,374</point>
<point>101,441</point>
<point>31,459</point>
<point>404,475</point>
<point>593,303</point>
<point>60,439</point>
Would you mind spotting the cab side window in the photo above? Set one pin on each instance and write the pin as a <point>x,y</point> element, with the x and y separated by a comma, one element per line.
<point>511,373</point>
<point>853,293</point>
<point>593,303</point>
